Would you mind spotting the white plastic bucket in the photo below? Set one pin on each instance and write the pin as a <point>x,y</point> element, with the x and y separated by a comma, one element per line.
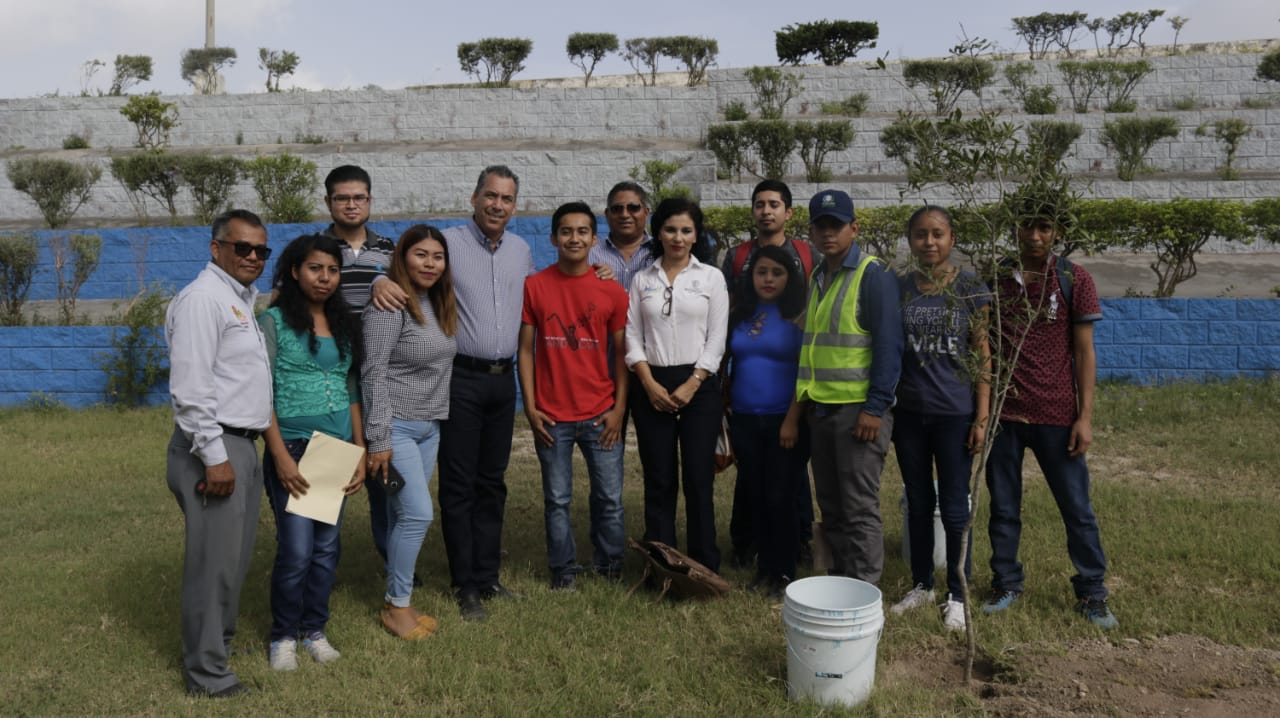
<point>833,626</point>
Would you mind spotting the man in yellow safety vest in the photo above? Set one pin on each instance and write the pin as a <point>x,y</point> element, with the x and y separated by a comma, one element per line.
<point>849,367</point>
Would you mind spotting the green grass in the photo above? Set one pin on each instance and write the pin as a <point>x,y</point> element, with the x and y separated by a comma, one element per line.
<point>91,553</point>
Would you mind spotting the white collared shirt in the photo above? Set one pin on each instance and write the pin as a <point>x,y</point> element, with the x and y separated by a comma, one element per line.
<point>218,367</point>
<point>695,328</point>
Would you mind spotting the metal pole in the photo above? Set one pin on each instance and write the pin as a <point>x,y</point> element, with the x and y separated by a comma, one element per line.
<point>208,23</point>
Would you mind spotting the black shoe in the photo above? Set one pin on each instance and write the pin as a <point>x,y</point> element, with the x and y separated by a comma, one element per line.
<point>497,590</point>
<point>778,588</point>
<point>231,691</point>
<point>417,582</point>
<point>564,582</point>
<point>470,607</point>
<point>743,558</point>
<point>608,573</point>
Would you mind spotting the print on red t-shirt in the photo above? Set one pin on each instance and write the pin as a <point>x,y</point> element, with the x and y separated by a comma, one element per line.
<point>1043,389</point>
<point>573,318</point>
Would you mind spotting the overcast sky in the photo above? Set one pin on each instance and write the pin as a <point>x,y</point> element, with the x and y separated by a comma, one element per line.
<point>394,43</point>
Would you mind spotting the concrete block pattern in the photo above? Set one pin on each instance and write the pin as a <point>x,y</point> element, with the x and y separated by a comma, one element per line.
<point>1164,357</point>
<point>1185,332</point>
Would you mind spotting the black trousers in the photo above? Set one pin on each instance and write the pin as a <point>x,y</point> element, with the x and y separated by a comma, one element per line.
<point>675,444</point>
<point>475,445</point>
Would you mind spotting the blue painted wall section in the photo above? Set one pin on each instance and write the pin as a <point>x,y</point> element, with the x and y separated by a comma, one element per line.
<point>1139,340</point>
<point>173,256</point>
<point>1151,341</point>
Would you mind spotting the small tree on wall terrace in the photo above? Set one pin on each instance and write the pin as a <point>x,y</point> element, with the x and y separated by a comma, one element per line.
<point>816,140</point>
<point>277,63</point>
<point>201,65</point>
<point>153,118</point>
<point>493,61</point>
<point>152,173</point>
<point>1124,30</point>
<point>695,53</point>
<point>831,41</point>
<point>286,186</point>
<point>1048,30</point>
<point>659,177</point>
<point>587,49</point>
<point>642,53</point>
<point>773,89</point>
<point>129,71</point>
<point>18,259</point>
<point>1230,131</point>
<point>210,180</point>
<point>1269,67</point>
<point>1131,138</point>
<point>948,79</point>
<point>58,187</point>
<point>81,252</point>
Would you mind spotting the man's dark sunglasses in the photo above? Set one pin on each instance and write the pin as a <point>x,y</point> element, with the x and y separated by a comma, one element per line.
<point>633,208</point>
<point>243,249</point>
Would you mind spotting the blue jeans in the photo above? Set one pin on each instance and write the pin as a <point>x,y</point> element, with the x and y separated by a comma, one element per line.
<point>306,559</point>
<point>770,479</point>
<point>604,471</point>
<point>921,442</point>
<point>1068,479</point>
<point>413,452</point>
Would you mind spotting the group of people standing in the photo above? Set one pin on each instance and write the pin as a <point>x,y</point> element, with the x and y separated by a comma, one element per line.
<point>409,348</point>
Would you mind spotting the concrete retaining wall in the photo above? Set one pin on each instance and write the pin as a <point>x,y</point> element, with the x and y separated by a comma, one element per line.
<point>573,143</point>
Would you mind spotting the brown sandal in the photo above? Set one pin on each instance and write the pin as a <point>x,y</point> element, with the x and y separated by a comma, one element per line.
<point>425,626</point>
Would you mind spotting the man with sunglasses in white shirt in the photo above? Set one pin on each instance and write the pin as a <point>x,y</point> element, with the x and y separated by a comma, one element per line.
<point>220,384</point>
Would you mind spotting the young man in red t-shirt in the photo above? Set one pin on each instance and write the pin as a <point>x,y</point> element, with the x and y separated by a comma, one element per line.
<point>569,316</point>
<point>1048,306</point>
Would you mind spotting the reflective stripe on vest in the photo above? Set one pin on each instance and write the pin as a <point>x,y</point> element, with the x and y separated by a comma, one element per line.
<point>835,358</point>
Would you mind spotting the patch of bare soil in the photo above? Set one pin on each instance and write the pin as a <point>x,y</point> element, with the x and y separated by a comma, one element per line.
<point>1167,676</point>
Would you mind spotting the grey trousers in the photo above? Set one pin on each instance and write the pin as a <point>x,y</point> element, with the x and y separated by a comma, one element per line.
<point>219,545</point>
<point>846,480</point>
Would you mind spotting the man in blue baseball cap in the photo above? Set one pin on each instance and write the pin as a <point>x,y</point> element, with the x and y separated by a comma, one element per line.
<point>849,367</point>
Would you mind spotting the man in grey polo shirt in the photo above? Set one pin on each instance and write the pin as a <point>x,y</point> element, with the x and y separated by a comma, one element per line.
<point>220,382</point>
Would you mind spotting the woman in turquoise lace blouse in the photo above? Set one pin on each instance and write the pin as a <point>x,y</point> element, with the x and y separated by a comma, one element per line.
<point>311,343</point>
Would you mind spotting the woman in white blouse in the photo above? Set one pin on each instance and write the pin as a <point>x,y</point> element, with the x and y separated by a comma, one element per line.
<point>676,327</point>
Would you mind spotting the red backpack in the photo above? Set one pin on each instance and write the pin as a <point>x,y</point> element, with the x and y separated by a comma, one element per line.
<point>742,257</point>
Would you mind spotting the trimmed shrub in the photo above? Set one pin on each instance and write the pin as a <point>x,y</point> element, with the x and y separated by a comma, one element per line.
<point>729,144</point>
<point>58,187</point>
<point>948,79</point>
<point>587,49</point>
<point>773,140</point>
<point>852,106</point>
<point>210,180</point>
<point>831,41</point>
<point>1131,138</point>
<point>155,174</point>
<point>18,259</point>
<point>286,186</point>
<point>774,89</point>
<point>816,140</point>
<point>153,118</point>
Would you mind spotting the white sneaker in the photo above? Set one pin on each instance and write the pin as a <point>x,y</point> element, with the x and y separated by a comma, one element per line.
<point>320,649</point>
<point>915,598</point>
<point>283,655</point>
<point>953,615</point>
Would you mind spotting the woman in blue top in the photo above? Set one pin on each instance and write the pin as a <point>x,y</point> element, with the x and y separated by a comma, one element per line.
<point>764,343</point>
<point>311,343</point>
<point>408,362</point>
<point>942,406</point>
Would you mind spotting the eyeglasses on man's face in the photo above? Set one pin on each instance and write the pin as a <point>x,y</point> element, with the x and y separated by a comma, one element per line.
<point>631,207</point>
<point>345,199</point>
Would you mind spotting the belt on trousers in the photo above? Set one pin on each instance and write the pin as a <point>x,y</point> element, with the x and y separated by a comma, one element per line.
<point>490,366</point>
<point>250,434</point>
